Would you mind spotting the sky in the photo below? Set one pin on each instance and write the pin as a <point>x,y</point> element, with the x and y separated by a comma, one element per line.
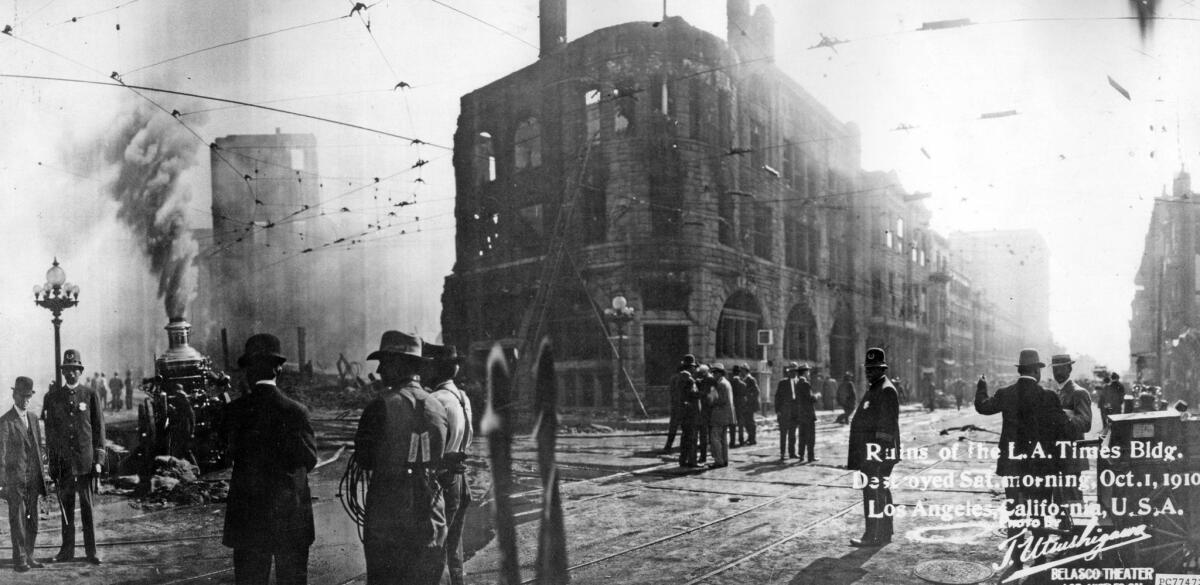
<point>1079,162</point>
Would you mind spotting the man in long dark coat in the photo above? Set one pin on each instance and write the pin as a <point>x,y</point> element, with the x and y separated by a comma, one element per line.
<point>787,410</point>
<point>21,479</point>
<point>875,449</point>
<point>675,389</point>
<point>74,416</point>
<point>737,434</point>
<point>748,407</point>
<point>1033,421</point>
<point>691,420</point>
<point>805,412</point>
<point>269,512</point>
<point>400,440</point>
<point>846,396</point>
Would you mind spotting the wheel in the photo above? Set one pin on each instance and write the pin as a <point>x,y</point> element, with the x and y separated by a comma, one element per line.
<point>1174,543</point>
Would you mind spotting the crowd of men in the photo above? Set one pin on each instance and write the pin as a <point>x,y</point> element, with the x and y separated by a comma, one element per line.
<point>116,393</point>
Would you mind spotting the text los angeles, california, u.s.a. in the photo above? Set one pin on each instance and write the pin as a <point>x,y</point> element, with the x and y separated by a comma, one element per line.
<point>1039,547</point>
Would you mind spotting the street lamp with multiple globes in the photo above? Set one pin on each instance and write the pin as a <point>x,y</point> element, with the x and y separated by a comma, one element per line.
<point>56,295</point>
<point>620,314</point>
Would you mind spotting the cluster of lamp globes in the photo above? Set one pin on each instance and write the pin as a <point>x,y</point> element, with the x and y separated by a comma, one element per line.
<point>620,309</point>
<point>56,286</point>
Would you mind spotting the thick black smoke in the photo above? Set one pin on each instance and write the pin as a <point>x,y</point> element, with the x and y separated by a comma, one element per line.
<point>149,153</point>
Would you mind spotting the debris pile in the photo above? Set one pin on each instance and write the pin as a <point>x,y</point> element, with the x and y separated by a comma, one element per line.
<point>176,481</point>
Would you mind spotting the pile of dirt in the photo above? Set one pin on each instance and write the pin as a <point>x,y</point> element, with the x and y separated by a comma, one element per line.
<point>177,481</point>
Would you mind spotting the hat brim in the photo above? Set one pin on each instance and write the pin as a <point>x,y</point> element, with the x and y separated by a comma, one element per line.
<point>380,354</point>
<point>1038,364</point>
<point>1056,364</point>
<point>247,358</point>
<point>71,367</point>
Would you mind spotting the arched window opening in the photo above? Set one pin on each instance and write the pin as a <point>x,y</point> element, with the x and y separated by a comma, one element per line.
<point>800,335</point>
<point>737,328</point>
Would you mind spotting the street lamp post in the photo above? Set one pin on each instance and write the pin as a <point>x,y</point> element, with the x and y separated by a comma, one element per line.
<point>56,295</point>
<point>620,314</point>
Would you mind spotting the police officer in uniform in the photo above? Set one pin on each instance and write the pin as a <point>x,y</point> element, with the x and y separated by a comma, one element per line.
<point>875,448</point>
<point>268,516</point>
<point>443,367</point>
<point>400,440</point>
<point>74,416</point>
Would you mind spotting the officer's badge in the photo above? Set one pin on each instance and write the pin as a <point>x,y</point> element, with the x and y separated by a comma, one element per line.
<point>866,405</point>
<point>82,407</point>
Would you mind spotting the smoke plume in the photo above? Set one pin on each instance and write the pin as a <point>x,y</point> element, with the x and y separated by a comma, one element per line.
<point>148,154</point>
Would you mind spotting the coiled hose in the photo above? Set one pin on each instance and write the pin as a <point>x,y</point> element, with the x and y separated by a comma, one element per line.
<point>352,492</point>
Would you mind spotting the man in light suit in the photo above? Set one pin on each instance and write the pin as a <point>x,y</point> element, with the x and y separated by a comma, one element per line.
<point>721,416</point>
<point>1077,405</point>
<point>22,481</point>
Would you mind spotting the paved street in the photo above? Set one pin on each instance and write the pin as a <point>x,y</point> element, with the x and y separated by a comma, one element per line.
<point>632,516</point>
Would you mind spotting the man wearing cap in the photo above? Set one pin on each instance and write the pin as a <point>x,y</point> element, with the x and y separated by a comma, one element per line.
<point>721,416</point>
<point>74,416</point>
<point>21,481</point>
<point>806,416</point>
<point>443,366</point>
<point>400,440</point>
<point>675,388</point>
<point>706,385</point>
<point>787,410</point>
<point>1033,420</point>
<point>747,406</point>
<point>845,398</point>
<point>268,516</point>
<point>1077,405</point>
<point>875,449</point>
<point>691,420</point>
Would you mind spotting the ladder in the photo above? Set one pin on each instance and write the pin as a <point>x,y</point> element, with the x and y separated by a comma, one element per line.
<point>533,322</point>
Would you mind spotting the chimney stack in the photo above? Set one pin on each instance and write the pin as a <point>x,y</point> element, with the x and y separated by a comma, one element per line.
<point>553,25</point>
<point>763,30</point>
<point>737,23</point>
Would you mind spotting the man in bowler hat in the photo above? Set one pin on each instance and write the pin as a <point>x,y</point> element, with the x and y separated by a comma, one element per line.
<point>787,410</point>
<point>268,516</point>
<point>74,416</point>
<point>875,448</point>
<point>452,474</point>
<point>400,440</point>
<point>21,480</point>
<point>805,413</point>
<point>1032,418</point>
<point>676,389</point>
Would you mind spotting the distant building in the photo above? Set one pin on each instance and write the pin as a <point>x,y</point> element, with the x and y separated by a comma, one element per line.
<point>1012,268</point>
<point>698,181</point>
<point>256,276</point>
<point>1164,321</point>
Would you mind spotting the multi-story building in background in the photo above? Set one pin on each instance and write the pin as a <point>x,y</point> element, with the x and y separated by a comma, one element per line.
<point>690,176</point>
<point>1012,268</point>
<point>265,267</point>
<point>1164,339</point>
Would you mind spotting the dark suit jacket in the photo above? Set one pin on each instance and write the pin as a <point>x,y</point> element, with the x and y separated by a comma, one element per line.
<point>21,453</point>
<point>74,430</point>
<point>877,422</point>
<point>1032,416</point>
<point>805,408</point>
<point>785,400</point>
<point>693,411</point>
<point>272,446</point>
<point>752,396</point>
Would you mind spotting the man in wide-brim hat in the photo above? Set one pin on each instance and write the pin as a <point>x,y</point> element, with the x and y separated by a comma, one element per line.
<point>74,415</point>
<point>268,516</point>
<point>1032,418</point>
<point>400,440</point>
<point>443,366</point>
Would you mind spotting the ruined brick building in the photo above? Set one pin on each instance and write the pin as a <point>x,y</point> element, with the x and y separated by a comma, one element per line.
<point>699,182</point>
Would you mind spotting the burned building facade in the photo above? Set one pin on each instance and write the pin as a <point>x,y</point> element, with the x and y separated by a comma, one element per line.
<point>689,175</point>
<point>255,274</point>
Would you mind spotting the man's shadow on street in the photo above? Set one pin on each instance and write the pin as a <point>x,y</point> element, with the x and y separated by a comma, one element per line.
<point>835,571</point>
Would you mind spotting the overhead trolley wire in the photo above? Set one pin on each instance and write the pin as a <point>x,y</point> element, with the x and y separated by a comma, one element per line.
<point>487,24</point>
